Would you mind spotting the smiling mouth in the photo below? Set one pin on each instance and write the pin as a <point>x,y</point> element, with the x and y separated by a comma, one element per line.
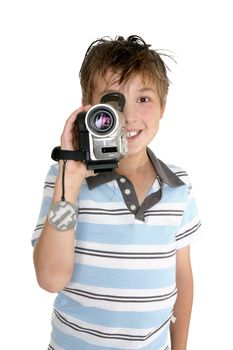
<point>130,134</point>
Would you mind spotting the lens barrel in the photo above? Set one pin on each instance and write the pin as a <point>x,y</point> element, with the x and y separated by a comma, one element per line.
<point>101,120</point>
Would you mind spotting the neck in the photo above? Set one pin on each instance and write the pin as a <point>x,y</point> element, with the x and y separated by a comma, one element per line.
<point>133,164</point>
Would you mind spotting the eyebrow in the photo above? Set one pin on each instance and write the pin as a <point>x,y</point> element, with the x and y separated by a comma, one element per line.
<point>147,89</point>
<point>143,89</point>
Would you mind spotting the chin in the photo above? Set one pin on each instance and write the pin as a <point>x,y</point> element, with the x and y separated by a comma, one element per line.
<point>133,151</point>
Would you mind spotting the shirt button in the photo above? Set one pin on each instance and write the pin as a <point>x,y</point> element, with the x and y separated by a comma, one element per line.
<point>133,207</point>
<point>127,191</point>
<point>122,179</point>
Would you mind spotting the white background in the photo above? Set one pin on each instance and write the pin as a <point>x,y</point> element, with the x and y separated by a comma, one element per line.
<point>42,46</point>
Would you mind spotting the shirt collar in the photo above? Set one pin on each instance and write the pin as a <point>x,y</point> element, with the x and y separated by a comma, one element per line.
<point>164,173</point>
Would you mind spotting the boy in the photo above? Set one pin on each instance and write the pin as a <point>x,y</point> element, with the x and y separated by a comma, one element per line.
<point>123,273</point>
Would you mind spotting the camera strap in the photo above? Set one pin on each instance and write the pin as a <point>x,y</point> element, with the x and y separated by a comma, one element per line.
<point>98,166</point>
<point>58,154</point>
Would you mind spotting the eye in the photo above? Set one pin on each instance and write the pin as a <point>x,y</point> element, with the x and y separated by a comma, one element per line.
<point>143,99</point>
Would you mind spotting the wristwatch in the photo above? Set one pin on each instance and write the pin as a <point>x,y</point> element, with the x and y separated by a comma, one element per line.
<point>63,215</point>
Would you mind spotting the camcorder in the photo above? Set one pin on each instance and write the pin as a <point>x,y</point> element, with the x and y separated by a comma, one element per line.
<point>101,136</point>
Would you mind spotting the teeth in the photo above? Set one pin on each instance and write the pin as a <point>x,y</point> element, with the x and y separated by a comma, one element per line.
<point>132,133</point>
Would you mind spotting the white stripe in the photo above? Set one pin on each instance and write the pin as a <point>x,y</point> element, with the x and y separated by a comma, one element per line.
<point>92,338</point>
<point>115,256</point>
<point>107,219</point>
<point>186,227</point>
<point>189,239</point>
<point>118,214</point>
<point>101,205</point>
<point>128,219</point>
<point>130,264</point>
<point>50,178</point>
<point>107,298</point>
<point>49,186</point>
<point>121,205</point>
<point>122,248</point>
<point>55,346</point>
<point>122,292</point>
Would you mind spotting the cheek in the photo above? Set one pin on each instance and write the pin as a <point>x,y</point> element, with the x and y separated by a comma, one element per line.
<point>151,118</point>
<point>150,111</point>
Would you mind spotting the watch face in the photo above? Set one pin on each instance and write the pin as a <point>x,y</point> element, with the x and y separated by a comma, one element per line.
<point>63,216</point>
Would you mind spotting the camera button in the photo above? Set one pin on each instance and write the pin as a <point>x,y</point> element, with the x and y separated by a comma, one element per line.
<point>127,191</point>
<point>122,180</point>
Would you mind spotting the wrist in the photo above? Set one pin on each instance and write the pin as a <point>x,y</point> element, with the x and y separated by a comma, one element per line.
<point>74,173</point>
<point>72,188</point>
<point>74,169</point>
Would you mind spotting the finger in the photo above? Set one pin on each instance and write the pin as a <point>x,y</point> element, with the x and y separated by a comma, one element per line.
<point>67,136</point>
<point>71,120</point>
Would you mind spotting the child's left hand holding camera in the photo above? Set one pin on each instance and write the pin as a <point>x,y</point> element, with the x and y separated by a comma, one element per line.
<point>54,251</point>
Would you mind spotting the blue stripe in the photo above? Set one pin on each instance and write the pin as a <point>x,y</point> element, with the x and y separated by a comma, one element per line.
<point>126,234</point>
<point>119,278</point>
<point>174,195</point>
<point>34,242</point>
<point>53,171</point>
<point>190,212</point>
<point>147,319</point>
<point>45,206</point>
<point>101,194</point>
<point>69,342</point>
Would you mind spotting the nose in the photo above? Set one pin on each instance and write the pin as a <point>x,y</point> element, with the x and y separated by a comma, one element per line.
<point>130,115</point>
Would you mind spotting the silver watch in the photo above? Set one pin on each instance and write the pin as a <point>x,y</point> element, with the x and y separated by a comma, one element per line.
<point>63,216</point>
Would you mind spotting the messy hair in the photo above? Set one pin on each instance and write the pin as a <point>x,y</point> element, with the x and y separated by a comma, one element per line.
<point>125,57</point>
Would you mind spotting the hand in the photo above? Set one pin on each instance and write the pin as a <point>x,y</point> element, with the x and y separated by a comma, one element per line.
<point>67,137</point>
<point>69,141</point>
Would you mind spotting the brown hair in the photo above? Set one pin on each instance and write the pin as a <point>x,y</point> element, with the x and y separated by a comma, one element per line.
<point>125,57</point>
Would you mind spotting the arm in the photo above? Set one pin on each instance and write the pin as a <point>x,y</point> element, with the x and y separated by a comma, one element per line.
<point>54,252</point>
<point>183,306</point>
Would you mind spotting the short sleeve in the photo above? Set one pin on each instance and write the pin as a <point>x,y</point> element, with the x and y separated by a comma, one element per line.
<point>46,202</point>
<point>190,227</point>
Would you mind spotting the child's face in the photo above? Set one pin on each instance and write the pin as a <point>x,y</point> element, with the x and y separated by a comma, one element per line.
<point>142,111</point>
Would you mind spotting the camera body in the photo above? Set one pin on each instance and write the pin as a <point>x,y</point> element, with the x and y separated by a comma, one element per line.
<point>101,137</point>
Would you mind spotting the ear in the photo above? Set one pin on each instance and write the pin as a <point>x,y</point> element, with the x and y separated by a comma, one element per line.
<point>163,107</point>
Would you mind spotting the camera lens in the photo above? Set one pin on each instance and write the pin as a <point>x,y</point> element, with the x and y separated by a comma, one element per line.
<point>103,121</point>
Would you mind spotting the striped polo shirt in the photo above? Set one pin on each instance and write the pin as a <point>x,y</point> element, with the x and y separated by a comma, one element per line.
<point>123,288</point>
